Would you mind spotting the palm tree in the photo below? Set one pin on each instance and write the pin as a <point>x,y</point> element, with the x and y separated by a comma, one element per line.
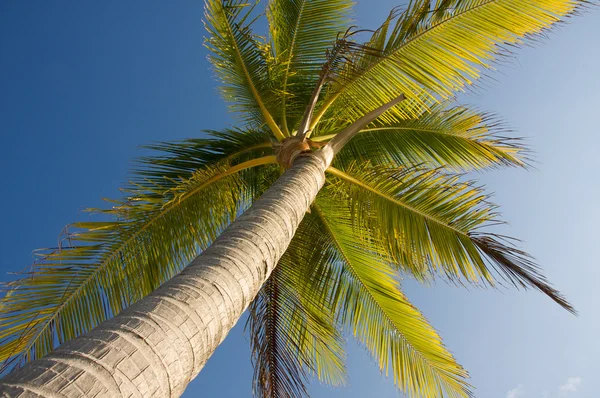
<point>348,171</point>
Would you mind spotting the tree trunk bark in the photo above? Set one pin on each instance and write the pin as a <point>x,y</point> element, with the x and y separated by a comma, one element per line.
<point>158,345</point>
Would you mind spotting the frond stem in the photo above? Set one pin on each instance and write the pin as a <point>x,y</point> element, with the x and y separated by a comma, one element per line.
<point>322,110</point>
<point>342,138</point>
<point>248,149</point>
<point>327,137</point>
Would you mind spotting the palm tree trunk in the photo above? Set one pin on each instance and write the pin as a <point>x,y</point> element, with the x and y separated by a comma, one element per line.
<point>156,346</point>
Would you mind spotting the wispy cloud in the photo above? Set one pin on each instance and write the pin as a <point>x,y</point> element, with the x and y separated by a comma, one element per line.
<point>571,385</point>
<point>516,392</point>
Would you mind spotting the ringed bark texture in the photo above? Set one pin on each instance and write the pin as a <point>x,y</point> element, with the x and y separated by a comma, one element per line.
<point>156,346</point>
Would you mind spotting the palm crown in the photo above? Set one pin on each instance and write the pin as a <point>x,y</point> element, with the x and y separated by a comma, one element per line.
<point>394,203</point>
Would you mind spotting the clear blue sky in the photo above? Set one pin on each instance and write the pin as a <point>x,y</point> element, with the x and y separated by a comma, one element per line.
<point>83,84</point>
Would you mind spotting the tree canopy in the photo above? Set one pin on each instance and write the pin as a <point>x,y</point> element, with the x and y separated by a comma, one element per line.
<point>396,203</point>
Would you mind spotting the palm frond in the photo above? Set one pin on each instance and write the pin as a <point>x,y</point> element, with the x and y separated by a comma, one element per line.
<point>105,266</point>
<point>430,221</point>
<point>302,31</point>
<point>435,50</point>
<point>517,267</point>
<point>180,159</point>
<point>292,328</point>
<point>459,139</point>
<point>307,267</point>
<point>240,62</point>
<point>278,369</point>
<point>370,303</point>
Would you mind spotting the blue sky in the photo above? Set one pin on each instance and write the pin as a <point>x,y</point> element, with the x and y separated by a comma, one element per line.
<point>83,84</point>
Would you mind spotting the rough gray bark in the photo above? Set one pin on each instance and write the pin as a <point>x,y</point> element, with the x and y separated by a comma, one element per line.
<point>156,346</point>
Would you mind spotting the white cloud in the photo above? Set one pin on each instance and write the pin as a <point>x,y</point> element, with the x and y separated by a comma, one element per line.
<point>570,386</point>
<point>516,392</point>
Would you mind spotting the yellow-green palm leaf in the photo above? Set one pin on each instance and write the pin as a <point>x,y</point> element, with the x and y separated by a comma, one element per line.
<point>292,324</point>
<point>240,62</point>
<point>431,222</point>
<point>302,31</point>
<point>102,267</point>
<point>370,303</point>
<point>434,49</point>
<point>459,139</point>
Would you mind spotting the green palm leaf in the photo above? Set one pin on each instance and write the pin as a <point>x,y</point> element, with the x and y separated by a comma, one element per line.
<point>240,62</point>
<point>291,322</point>
<point>176,160</point>
<point>108,265</point>
<point>302,31</point>
<point>459,139</point>
<point>370,303</point>
<point>435,50</point>
<point>431,221</point>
